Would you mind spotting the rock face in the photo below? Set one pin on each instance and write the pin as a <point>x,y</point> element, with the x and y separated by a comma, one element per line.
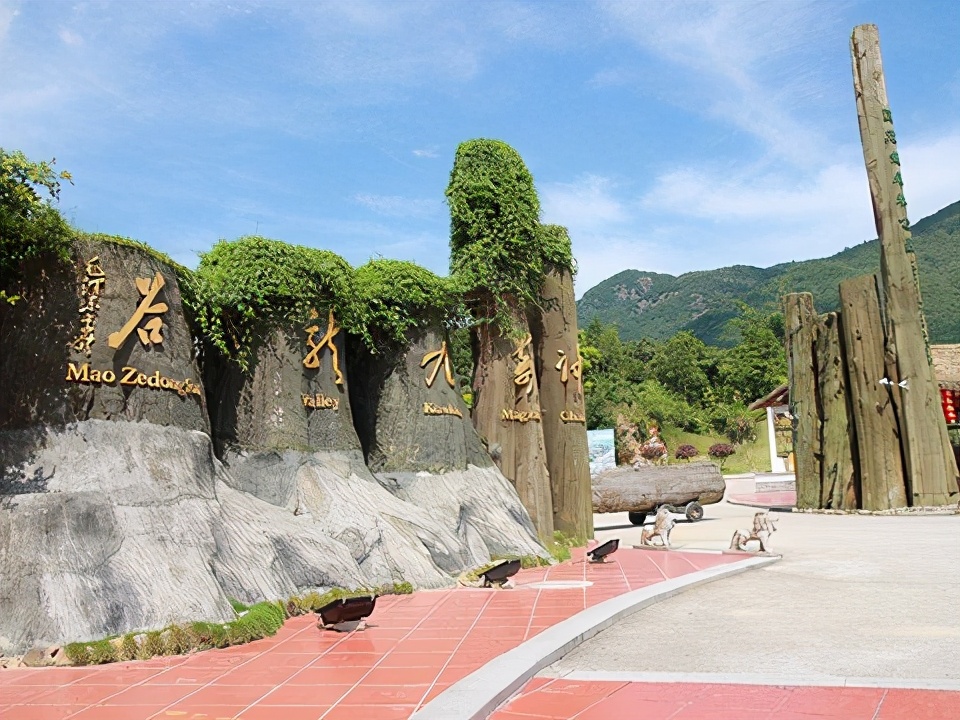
<point>119,526</point>
<point>117,514</point>
<point>114,513</point>
<point>554,329</point>
<point>507,415</point>
<point>420,444</point>
<point>286,433</point>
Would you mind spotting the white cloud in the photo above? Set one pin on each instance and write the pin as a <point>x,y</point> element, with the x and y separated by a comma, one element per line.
<point>426,152</point>
<point>705,218</point>
<point>736,61</point>
<point>586,202</point>
<point>8,11</point>
<point>397,206</point>
<point>69,37</point>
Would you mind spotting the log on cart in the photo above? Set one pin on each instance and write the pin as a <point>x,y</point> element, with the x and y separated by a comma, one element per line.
<point>643,489</point>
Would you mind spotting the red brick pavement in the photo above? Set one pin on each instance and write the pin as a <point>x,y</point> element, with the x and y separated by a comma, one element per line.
<point>414,648</point>
<point>559,699</point>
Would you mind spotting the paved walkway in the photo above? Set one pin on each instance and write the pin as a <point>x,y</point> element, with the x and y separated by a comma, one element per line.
<point>856,601</point>
<point>562,699</point>
<point>415,647</point>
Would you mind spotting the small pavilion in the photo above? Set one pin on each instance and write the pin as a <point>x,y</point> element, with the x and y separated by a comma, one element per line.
<point>779,427</point>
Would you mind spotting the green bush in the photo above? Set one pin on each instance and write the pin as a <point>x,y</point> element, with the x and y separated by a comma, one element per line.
<point>735,421</point>
<point>245,288</point>
<point>261,620</point>
<point>128,648</point>
<point>495,235</point>
<point>31,229</point>
<point>394,297</point>
<point>151,645</point>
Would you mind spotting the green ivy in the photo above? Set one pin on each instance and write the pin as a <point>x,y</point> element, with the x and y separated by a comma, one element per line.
<point>246,287</point>
<point>494,233</point>
<point>556,248</point>
<point>395,296</point>
<point>31,229</point>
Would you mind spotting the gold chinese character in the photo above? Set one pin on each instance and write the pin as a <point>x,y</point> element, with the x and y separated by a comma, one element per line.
<point>94,269</point>
<point>149,289</point>
<point>442,358</point>
<point>523,372</point>
<point>567,370</point>
<point>312,360</point>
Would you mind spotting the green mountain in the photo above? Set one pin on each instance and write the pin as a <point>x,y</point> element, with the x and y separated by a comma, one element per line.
<point>654,305</point>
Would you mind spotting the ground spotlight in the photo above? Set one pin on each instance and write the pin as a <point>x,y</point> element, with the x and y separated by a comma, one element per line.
<point>600,552</point>
<point>498,574</point>
<point>346,613</point>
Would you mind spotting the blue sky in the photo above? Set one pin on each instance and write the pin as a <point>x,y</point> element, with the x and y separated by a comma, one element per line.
<point>667,136</point>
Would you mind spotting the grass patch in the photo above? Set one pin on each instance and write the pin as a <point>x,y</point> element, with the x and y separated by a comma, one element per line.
<point>238,607</point>
<point>256,621</point>
<point>750,457</point>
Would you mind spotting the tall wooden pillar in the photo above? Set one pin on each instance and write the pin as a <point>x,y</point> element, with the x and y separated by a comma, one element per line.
<point>876,427</point>
<point>801,326</point>
<point>554,329</point>
<point>838,472</point>
<point>931,470</point>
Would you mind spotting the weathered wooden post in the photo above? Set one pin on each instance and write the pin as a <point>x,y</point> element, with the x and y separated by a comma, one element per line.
<point>837,490</point>
<point>802,328</point>
<point>553,323</point>
<point>496,255</point>
<point>931,469</point>
<point>874,419</point>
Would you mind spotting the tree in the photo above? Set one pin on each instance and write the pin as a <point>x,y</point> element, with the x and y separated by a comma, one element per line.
<point>678,365</point>
<point>758,364</point>
<point>30,227</point>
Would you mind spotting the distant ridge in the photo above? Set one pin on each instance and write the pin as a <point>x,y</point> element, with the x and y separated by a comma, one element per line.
<point>655,305</point>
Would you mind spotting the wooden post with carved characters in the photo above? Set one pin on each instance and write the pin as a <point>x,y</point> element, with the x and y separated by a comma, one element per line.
<point>554,328</point>
<point>931,470</point>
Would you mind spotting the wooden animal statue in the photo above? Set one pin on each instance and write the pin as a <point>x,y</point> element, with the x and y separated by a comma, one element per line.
<point>764,525</point>
<point>661,529</point>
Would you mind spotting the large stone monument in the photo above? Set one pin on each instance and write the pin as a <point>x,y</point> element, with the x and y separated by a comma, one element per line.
<point>114,513</point>
<point>414,426</point>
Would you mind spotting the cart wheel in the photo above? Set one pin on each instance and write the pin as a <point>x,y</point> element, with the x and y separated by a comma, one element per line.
<point>637,518</point>
<point>694,511</point>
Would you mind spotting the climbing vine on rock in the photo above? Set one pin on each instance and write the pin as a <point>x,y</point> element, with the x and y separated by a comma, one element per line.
<point>495,231</point>
<point>555,247</point>
<point>247,286</point>
<point>394,296</point>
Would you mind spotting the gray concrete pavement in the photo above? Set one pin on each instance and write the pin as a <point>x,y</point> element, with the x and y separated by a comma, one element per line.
<point>864,596</point>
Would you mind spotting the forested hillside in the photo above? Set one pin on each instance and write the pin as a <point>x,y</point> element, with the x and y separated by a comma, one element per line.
<point>654,305</point>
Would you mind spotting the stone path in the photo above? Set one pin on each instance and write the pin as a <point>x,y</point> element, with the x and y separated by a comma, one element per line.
<point>415,647</point>
<point>858,620</point>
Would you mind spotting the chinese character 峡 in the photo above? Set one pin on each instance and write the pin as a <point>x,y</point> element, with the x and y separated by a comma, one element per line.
<point>312,360</point>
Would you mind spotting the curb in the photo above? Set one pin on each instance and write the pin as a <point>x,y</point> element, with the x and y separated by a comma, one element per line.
<point>478,695</point>
<point>762,679</point>
<point>746,502</point>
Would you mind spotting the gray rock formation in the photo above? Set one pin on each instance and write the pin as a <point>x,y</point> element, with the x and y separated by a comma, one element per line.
<point>117,526</point>
<point>116,514</point>
<point>421,445</point>
<point>286,434</point>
